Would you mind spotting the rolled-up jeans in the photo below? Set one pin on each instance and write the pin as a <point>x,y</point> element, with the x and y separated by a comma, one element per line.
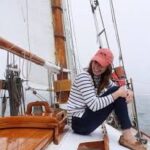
<point>91,120</point>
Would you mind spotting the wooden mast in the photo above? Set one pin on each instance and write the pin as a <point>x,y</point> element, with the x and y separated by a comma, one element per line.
<point>62,85</point>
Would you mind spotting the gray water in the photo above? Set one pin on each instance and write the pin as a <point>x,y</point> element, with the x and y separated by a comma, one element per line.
<point>143,109</point>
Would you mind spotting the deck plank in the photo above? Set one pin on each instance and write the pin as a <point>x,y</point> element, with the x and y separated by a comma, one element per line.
<point>23,139</point>
<point>71,140</point>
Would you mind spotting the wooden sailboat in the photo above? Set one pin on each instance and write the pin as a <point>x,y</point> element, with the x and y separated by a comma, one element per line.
<point>29,129</point>
<point>43,125</point>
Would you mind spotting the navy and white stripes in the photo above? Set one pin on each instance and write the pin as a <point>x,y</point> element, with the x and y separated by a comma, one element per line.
<point>83,95</point>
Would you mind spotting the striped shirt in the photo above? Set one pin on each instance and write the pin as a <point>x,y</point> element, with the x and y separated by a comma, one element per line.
<point>83,95</point>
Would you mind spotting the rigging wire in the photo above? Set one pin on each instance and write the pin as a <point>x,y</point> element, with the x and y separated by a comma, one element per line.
<point>117,35</point>
<point>71,32</point>
<point>28,63</point>
<point>68,34</point>
<point>22,11</point>
<point>14,85</point>
<point>96,24</point>
<point>103,25</point>
<point>94,6</point>
<point>34,91</point>
<point>129,83</point>
<point>24,20</point>
<point>27,22</point>
<point>73,35</point>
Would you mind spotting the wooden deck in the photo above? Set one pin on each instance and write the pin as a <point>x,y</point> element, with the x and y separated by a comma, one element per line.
<point>25,139</point>
<point>71,141</point>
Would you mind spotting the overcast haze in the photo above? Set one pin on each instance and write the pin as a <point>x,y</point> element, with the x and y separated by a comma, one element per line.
<point>133,20</point>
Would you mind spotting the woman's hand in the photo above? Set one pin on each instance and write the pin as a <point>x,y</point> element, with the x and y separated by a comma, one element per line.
<point>129,96</point>
<point>123,92</point>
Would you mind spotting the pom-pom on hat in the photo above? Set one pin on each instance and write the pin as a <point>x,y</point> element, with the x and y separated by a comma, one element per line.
<point>104,57</point>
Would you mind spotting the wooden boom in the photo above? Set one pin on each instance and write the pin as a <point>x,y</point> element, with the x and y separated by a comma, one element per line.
<point>12,48</point>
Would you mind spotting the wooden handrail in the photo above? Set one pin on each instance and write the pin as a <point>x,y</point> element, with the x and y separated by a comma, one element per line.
<point>38,103</point>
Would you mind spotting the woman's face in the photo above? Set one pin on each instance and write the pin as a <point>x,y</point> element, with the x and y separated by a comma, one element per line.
<point>97,68</point>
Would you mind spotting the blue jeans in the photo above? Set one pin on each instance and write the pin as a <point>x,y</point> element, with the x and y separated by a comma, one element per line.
<point>91,120</point>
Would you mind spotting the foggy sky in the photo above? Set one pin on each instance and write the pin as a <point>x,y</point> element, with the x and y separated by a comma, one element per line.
<point>133,20</point>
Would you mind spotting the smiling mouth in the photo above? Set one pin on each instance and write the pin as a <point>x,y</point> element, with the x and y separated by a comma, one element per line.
<point>98,72</point>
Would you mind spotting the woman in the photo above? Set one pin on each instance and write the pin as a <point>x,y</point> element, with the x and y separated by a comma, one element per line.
<point>94,96</point>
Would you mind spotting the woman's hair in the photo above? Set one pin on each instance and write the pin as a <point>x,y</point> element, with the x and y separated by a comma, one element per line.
<point>104,77</point>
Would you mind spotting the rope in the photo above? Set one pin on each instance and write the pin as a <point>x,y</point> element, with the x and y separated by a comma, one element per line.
<point>15,92</point>
<point>14,84</point>
<point>4,103</point>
